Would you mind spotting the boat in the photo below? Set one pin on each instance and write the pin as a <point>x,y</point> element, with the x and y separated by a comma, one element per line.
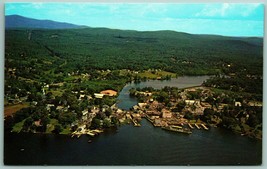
<point>181,130</point>
<point>90,134</point>
<point>177,127</point>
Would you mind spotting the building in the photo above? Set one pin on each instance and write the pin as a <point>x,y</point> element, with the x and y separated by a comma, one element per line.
<point>238,104</point>
<point>166,114</point>
<point>157,122</point>
<point>82,96</point>
<point>48,106</point>
<point>85,115</point>
<point>192,102</point>
<point>255,103</point>
<point>142,105</point>
<point>98,95</point>
<point>109,92</point>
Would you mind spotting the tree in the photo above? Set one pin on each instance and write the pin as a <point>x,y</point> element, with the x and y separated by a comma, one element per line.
<point>189,115</point>
<point>95,123</point>
<point>106,123</point>
<point>44,122</point>
<point>57,129</point>
<point>180,105</point>
<point>114,121</point>
<point>108,112</point>
<point>27,124</point>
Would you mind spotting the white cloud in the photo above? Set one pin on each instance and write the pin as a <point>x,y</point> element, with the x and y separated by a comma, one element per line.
<point>227,9</point>
<point>37,5</point>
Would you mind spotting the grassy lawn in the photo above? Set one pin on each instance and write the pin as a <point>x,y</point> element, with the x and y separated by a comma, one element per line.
<point>57,92</point>
<point>156,74</point>
<point>66,131</point>
<point>17,127</point>
<point>51,126</point>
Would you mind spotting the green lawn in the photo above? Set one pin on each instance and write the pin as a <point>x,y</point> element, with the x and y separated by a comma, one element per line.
<point>66,131</point>
<point>17,127</point>
<point>154,75</point>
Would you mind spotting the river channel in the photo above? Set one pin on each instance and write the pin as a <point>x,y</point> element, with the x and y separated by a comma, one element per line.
<point>129,145</point>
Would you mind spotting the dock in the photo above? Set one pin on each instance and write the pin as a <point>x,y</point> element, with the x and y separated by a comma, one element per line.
<point>180,130</point>
<point>90,133</point>
<point>176,127</point>
<point>204,127</point>
<point>135,123</point>
<point>190,126</point>
<point>197,126</point>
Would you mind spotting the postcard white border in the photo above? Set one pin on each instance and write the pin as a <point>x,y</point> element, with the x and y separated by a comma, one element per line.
<point>2,28</point>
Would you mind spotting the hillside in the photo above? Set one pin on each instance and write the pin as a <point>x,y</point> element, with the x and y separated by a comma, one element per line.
<point>62,66</point>
<point>101,48</point>
<point>17,21</point>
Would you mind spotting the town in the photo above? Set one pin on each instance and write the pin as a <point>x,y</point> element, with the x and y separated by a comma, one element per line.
<point>177,110</point>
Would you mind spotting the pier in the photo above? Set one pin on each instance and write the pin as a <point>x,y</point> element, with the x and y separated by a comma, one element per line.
<point>190,126</point>
<point>204,127</point>
<point>197,126</point>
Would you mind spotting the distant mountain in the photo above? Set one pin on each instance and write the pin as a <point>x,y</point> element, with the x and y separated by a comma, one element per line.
<point>17,21</point>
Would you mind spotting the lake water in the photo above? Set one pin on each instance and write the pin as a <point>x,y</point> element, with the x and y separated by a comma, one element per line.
<point>129,145</point>
<point>125,101</point>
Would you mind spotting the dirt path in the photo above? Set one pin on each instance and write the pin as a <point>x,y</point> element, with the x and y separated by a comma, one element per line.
<point>10,109</point>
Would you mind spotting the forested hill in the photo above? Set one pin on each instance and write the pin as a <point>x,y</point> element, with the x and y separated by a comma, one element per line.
<point>17,21</point>
<point>99,48</point>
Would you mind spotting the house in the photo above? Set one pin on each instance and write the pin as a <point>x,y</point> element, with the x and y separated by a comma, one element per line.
<point>153,113</point>
<point>82,96</point>
<point>142,105</point>
<point>136,116</point>
<point>48,106</point>
<point>119,111</point>
<point>109,92</point>
<point>190,102</point>
<point>157,122</point>
<point>85,115</point>
<point>135,107</point>
<point>34,103</point>
<point>255,103</point>
<point>145,93</point>
<point>60,107</point>
<point>154,117</point>
<point>37,123</point>
<point>166,114</point>
<point>238,104</point>
<point>95,110</point>
<point>206,105</point>
<point>98,95</point>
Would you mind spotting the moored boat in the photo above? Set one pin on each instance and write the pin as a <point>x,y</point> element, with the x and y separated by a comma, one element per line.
<point>180,130</point>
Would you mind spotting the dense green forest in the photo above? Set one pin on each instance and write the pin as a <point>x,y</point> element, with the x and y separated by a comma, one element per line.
<point>99,48</point>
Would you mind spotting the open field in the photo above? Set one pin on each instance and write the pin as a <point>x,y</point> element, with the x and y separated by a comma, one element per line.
<point>10,109</point>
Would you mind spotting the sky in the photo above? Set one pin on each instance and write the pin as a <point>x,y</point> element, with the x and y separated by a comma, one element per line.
<point>228,19</point>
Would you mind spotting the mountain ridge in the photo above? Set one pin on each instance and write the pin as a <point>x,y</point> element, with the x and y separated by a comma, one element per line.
<point>18,21</point>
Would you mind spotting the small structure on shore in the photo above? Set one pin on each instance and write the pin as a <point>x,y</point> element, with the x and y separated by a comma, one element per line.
<point>98,95</point>
<point>109,92</point>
